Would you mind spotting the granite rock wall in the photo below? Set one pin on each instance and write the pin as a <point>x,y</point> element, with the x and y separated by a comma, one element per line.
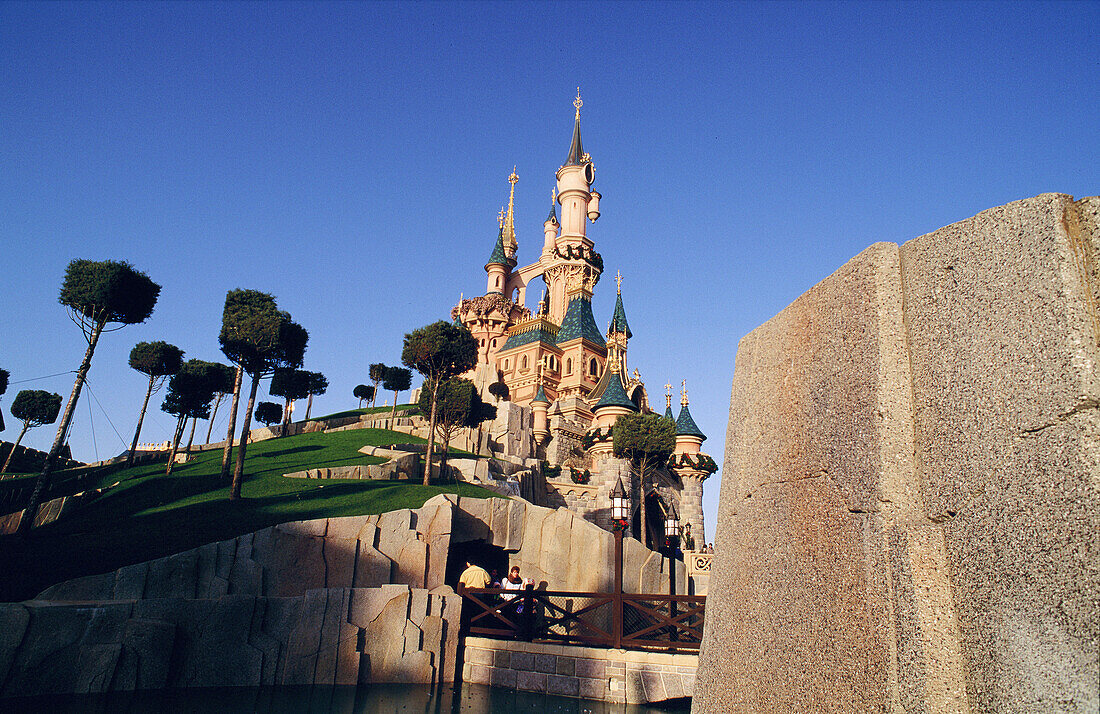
<point>910,503</point>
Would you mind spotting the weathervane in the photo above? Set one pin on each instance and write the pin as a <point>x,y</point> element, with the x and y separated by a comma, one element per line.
<point>578,103</point>
<point>668,396</point>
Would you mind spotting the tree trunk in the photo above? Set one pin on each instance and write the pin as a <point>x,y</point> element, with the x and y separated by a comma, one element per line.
<point>238,473</point>
<point>181,422</point>
<point>43,480</point>
<point>141,418</point>
<point>14,446</point>
<point>286,417</point>
<point>309,406</point>
<point>228,450</point>
<point>431,432</point>
<point>445,434</point>
<point>191,439</point>
<point>210,429</point>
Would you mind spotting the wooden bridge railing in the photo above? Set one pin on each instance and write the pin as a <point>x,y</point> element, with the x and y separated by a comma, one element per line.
<point>619,620</point>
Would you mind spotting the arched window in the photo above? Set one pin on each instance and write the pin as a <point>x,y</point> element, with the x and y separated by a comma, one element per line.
<point>523,364</point>
<point>497,283</point>
<point>494,343</point>
<point>569,365</point>
<point>593,367</point>
<point>506,365</point>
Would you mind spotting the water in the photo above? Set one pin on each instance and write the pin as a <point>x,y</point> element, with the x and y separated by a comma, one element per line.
<point>372,699</point>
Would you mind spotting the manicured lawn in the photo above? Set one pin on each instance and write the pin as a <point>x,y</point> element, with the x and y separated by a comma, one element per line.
<point>149,515</point>
<point>360,412</point>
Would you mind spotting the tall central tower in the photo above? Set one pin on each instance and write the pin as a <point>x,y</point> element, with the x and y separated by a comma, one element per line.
<point>573,268</point>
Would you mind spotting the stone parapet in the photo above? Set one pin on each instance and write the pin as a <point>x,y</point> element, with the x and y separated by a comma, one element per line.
<point>620,676</point>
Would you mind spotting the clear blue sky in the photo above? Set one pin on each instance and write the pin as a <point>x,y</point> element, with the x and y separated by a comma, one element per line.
<point>351,159</point>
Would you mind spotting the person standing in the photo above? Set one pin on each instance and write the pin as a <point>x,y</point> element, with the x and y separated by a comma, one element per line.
<point>474,576</point>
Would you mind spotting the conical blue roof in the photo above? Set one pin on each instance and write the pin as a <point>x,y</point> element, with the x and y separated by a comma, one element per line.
<point>618,318</point>
<point>615,395</point>
<point>540,396</point>
<point>668,414</point>
<point>553,217</point>
<point>499,257</point>
<point>579,322</point>
<point>685,425</point>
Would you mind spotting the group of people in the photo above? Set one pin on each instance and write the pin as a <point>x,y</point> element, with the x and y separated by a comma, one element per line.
<point>475,576</point>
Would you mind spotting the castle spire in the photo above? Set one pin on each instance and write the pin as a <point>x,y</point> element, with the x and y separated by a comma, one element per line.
<point>618,318</point>
<point>576,152</point>
<point>509,220</point>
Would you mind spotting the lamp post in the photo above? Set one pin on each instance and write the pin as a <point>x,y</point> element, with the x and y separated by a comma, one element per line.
<point>672,536</point>
<point>620,509</point>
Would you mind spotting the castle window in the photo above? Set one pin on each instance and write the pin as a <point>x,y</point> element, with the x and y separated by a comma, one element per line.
<point>506,365</point>
<point>494,343</point>
<point>594,367</point>
<point>523,364</point>
<point>569,365</point>
<point>498,281</point>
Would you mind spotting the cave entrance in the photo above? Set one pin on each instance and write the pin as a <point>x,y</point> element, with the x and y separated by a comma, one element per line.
<point>478,552</point>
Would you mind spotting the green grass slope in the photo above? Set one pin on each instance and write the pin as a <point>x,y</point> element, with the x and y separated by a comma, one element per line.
<point>149,515</point>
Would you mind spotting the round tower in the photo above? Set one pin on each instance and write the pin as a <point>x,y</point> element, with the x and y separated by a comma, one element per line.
<point>691,465</point>
<point>539,405</point>
<point>612,404</point>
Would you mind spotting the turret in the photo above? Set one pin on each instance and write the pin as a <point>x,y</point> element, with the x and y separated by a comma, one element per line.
<point>612,404</point>
<point>689,439</point>
<point>497,268</point>
<point>550,227</point>
<point>539,405</point>
<point>691,465</point>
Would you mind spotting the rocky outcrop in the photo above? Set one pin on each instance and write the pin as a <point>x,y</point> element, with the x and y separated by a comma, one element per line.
<point>330,601</point>
<point>328,636</point>
<point>910,501</point>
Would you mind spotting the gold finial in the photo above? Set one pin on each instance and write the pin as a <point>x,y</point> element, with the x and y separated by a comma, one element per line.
<point>553,195</point>
<point>500,217</point>
<point>578,103</point>
<point>683,393</point>
<point>512,177</point>
<point>618,283</point>
<point>668,396</point>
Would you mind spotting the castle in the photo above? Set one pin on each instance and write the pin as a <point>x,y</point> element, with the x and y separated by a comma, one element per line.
<point>573,379</point>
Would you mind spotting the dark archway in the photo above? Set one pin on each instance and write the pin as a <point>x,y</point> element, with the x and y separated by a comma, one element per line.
<point>655,514</point>
<point>490,557</point>
<point>638,396</point>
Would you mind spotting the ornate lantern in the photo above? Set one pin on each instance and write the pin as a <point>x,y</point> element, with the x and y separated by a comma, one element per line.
<point>672,524</point>
<point>619,508</point>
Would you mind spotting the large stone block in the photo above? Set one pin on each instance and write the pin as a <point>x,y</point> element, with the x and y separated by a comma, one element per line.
<point>910,499</point>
